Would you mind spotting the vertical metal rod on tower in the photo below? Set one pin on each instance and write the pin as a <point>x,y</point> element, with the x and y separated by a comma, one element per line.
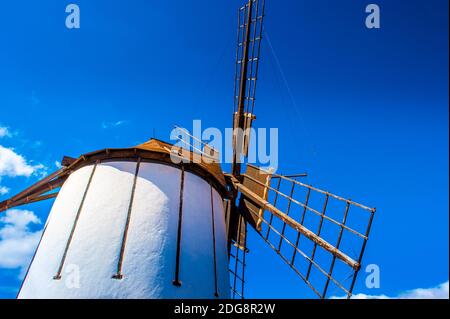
<point>176,282</point>
<point>74,226</point>
<point>118,274</point>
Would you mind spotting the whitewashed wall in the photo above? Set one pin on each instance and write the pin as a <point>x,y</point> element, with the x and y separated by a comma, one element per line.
<point>150,253</point>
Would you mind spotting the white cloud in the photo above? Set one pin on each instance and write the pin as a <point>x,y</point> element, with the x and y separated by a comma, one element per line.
<point>364,296</point>
<point>58,164</point>
<point>17,241</point>
<point>439,292</point>
<point>13,164</point>
<point>3,190</point>
<point>4,132</point>
<point>107,125</point>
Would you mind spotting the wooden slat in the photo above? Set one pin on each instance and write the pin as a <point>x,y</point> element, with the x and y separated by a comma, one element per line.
<point>28,191</point>
<point>31,197</point>
<point>253,174</point>
<point>294,224</point>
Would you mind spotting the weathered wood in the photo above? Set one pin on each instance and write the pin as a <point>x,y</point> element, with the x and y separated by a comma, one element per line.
<point>288,178</point>
<point>294,224</point>
<point>257,181</point>
<point>67,161</point>
<point>30,200</point>
<point>32,197</point>
<point>237,149</point>
<point>312,210</point>
<point>35,186</point>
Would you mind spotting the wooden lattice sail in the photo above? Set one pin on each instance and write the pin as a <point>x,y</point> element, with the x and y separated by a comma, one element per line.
<point>321,236</point>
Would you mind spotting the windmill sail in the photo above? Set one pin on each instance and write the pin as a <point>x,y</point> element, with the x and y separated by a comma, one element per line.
<point>237,260</point>
<point>321,236</point>
<point>249,36</point>
<point>38,191</point>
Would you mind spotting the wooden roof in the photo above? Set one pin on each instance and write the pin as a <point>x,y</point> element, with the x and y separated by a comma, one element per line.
<point>158,151</point>
<point>155,145</point>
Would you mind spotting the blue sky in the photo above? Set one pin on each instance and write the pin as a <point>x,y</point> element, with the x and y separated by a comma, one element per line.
<point>366,112</point>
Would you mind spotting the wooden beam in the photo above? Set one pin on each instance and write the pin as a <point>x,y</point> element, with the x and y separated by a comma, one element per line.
<point>237,146</point>
<point>35,186</point>
<point>264,204</point>
<point>32,197</point>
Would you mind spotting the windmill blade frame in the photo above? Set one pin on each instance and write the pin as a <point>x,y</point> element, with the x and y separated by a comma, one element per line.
<point>237,261</point>
<point>37,191</point>
<point>330,238</point>
<point>248,49</point>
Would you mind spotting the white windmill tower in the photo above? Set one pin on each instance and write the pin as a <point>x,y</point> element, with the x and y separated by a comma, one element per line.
<point>134,223</point>
<point>129,223</point>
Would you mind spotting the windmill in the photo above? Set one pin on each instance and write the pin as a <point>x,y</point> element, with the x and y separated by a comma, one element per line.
<point>135,223</point>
